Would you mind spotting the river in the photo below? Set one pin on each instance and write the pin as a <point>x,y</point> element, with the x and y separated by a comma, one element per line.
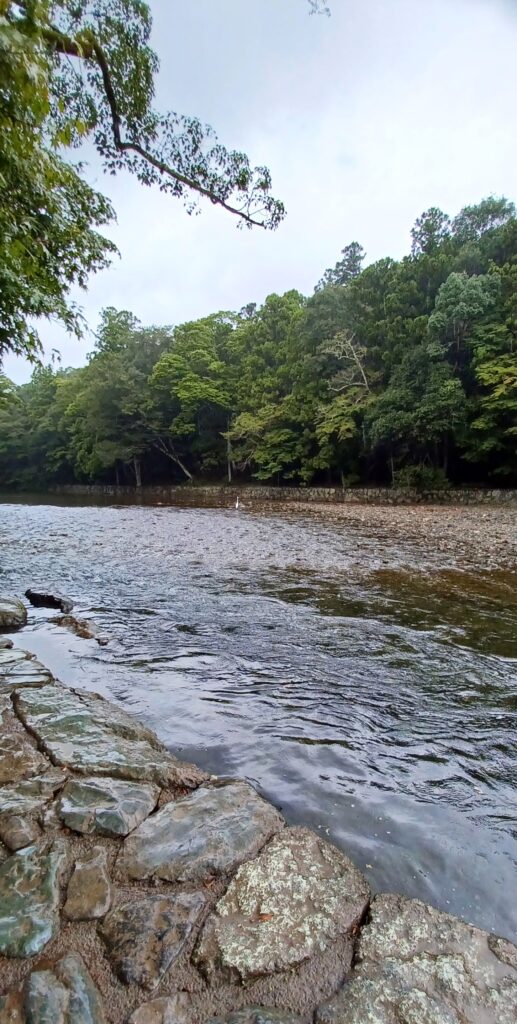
<point>359,667</point>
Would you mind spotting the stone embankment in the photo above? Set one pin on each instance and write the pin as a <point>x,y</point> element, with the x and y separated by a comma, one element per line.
<point>134,889</point>
<point>255,494</point>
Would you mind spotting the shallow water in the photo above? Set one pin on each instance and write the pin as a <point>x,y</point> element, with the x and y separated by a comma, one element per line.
<point>365,681</point>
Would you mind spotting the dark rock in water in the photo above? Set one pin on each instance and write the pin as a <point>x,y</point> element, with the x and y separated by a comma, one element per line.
<point>417,964</point>
<point>81,627</point>
<point>289,904</point>
<point>207,833</point>
<point>64,994</point>
<point>13,614</point>
<point>5,643</point>
<point>145,936</point>
<point>47,599</point>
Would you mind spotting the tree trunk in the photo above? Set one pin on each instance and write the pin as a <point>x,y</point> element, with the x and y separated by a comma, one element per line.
<point>445,454</point>
<point>161,447</point>
<point>392,467</point>
<point>117,474</point>
<point>138,472</point>
<point>184,468</point>
<point>228,452</point>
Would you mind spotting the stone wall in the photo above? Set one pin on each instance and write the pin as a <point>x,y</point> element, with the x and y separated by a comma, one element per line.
<point>326,495</point>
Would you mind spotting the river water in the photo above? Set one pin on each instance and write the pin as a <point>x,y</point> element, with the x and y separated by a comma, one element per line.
<point>358,667</point>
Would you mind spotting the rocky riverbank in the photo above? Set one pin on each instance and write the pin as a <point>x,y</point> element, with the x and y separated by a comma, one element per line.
<point>134,888</point>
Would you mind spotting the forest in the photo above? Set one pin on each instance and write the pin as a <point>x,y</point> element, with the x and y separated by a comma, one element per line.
<point>398,372</point>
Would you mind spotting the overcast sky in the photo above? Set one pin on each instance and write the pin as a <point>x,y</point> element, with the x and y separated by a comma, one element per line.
<point>365,119</point>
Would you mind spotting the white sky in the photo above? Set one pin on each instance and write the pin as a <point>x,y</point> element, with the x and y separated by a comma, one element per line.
<point>365,119</point>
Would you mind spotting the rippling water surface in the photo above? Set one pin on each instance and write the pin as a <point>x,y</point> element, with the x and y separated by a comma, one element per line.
<point>365,681</point>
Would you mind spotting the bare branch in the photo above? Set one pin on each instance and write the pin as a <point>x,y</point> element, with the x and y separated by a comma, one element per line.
<point>345,349</point>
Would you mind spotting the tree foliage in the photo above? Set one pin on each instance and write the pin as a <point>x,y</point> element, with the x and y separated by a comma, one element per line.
<point>405,371</point>
<point>83,71</point>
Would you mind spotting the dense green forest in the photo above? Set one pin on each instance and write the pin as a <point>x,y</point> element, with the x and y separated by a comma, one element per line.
<point>401,372</point>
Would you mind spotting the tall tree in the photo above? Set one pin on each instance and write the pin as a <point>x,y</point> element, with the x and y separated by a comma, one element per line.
<point>348,267</point>
<point>431,230</point>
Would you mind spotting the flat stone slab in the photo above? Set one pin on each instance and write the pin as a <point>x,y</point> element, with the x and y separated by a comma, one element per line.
<point>145,936</point>
<point>19,758</point>
<point>417,965</point>
<point>288,904</point>
<point>89,889</point>
<point>91,736</point>
<point>169,1010</point>
<point>13,613</point>
<point>64,994</point>
<point>20,669</point>
<point>29,899</point>
<point>115,718</point>
<point>109,807</point>
<point>210,832</point>
<point>29,795</point>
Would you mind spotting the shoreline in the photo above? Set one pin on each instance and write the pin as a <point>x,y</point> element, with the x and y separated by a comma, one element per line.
<point>206,901</point>
<point>314,495</point>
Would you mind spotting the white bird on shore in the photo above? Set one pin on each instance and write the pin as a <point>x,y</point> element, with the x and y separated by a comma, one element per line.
<point>237,504</point>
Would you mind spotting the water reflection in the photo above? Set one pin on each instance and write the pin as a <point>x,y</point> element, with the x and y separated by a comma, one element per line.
<point>366,685</point>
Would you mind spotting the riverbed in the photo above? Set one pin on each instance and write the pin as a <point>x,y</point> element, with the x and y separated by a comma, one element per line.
<point>357,665</point>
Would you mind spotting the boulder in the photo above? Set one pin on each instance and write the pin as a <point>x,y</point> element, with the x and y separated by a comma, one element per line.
<point>91,736</point>
<point>13,613</point>
<point>145,936</point>
<point>418,964</point>
<point>29,899</point>
<point>46,998</point>
<point>210,832</point>
<point>109,807</point>
<point>29,796</point>
<point>20,669</point>
<point>19,758</point>
<point>63,994</point>
<point>49,599</point>
<point>17,831</point>
<point>89,889</point>
<point>290,903</point>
